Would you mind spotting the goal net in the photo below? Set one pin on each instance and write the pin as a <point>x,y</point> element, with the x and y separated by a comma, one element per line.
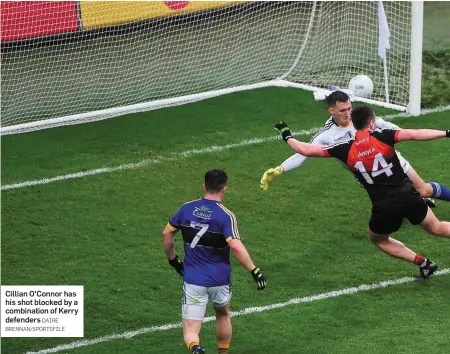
<point>67,62</point>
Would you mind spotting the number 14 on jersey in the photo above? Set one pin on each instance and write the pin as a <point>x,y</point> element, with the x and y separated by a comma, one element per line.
<point>379,166</point>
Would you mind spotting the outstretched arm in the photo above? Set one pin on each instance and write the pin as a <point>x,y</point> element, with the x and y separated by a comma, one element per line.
<point>291,163</point>
<point>297,160</point>
<point>420,134</point>
<point>306,149</point>
<point>300,147</point>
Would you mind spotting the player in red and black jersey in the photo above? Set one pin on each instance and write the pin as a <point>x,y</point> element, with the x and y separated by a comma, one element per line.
<point>372,159</point>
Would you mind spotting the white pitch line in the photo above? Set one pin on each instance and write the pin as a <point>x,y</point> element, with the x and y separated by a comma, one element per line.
<point>246,311</point>
<point>157,159</point>
<point>184,154</point>
<point>422,112</point>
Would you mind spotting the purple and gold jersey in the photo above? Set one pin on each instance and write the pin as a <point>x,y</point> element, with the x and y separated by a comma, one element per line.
<point>207,227</point>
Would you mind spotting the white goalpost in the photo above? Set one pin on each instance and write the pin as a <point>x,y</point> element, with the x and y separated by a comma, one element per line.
<point>415,76</point>
<point>70,62</point>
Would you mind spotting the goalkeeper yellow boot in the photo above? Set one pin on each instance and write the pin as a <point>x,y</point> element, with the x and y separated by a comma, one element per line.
<point>269,176</point>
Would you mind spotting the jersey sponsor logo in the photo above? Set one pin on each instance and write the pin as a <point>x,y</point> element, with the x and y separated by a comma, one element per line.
<point>202,212</point>
<point>366,153</point>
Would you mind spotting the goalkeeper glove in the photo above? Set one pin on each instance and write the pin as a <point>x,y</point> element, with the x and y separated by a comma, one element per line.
<point>259,278</point>
<point>269,176</point>
<point>447,133</point>
<point>178,265</point>
<point>284,130</point>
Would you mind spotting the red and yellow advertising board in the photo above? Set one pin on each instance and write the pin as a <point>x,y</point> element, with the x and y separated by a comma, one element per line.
<point>95,14</point>
<point>28,19</point>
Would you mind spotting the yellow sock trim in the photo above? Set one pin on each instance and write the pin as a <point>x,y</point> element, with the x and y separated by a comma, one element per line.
<point>192,343</point>
<point>223,348</point>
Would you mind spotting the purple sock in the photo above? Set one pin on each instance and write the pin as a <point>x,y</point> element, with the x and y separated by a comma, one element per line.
<point>440,192</point>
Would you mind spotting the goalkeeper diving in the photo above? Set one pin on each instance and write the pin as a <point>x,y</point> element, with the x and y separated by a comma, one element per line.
<point>339,128</point>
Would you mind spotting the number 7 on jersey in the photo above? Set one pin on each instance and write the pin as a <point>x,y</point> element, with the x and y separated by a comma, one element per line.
<point>203,228</point>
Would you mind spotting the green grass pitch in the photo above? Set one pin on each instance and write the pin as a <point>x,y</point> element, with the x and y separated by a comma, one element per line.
<point>307,232</point>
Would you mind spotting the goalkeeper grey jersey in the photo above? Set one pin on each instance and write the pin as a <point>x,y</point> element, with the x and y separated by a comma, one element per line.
<point>331,133</point>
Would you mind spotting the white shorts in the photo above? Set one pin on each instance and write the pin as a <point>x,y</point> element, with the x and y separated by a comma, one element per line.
<point>405,164</point>
<point>195,299</point>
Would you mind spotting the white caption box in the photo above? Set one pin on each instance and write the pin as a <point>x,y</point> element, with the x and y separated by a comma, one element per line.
<point>42,311</point>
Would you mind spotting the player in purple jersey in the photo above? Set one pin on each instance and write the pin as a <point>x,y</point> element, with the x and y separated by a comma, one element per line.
<point>209,232</point>
<point>372,158</point>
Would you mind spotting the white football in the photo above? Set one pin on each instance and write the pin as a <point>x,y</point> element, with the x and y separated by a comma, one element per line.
<point>361,85</point>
